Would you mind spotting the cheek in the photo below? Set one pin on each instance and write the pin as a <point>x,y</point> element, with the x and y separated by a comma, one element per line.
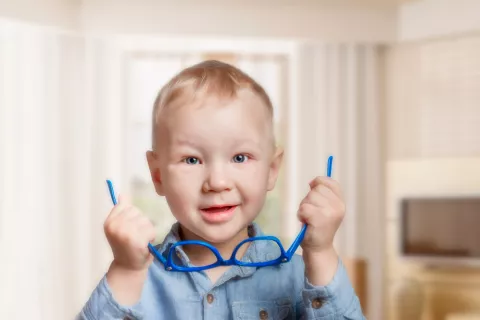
<point>181,187</point>
<point>254,183</point>
<point>182,176</point>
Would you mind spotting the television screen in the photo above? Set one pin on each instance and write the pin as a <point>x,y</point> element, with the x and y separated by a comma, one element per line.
<point>441,228</point>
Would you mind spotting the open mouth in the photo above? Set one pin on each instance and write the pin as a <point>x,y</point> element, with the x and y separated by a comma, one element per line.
<point>218,214</point>
<point>218,209</point>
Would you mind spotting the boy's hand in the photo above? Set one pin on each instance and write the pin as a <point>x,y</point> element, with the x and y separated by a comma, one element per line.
<point>128,232</point>
<point>322,210</point>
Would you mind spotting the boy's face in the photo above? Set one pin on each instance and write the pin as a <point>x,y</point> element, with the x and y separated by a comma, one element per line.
<point>214,162</point>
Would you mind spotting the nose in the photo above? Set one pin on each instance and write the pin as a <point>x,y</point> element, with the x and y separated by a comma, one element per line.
<point>217,180</point>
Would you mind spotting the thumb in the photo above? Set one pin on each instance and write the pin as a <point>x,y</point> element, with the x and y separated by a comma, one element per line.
<point>124,199</point>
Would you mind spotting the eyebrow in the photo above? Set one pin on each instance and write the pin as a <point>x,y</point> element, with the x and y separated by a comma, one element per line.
<point>184,142</point>
<point>235,142</point>
<point>240,142</point>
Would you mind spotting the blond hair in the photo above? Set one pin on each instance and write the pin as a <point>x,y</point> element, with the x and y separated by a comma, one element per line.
<point>209,77</point>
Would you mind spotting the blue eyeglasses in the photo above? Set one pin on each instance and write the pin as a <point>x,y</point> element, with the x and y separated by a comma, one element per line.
<point>281,255</point>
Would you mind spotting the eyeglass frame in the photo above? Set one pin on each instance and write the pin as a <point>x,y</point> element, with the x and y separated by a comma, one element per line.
<point>285,256</point>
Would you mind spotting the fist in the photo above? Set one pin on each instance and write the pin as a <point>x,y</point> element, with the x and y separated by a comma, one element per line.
<point>128,232</point>
<point>322,210</point>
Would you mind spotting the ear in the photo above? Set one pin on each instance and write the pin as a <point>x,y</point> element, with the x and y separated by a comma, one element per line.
<point>154,166</point>
<point>275,168</point>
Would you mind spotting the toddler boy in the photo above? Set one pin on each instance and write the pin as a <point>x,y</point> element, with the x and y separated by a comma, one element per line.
<point>214,158</point>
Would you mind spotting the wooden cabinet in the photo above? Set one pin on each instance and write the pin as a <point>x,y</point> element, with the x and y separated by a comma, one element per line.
<point>440,292</point>
<point>357,272</point>
<point>435,295</point>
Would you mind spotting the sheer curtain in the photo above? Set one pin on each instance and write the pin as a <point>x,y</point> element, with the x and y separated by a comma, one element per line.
<point>340,113</point>
<point>69,119</point>
<point>66,125</point>
<point>59,140</point>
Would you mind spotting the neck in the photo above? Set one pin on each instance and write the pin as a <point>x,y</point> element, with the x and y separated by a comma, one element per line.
<point>200,255</point>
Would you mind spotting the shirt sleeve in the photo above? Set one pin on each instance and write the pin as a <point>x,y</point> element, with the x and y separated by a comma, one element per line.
<point>102,306</point>
<point>335,301</point>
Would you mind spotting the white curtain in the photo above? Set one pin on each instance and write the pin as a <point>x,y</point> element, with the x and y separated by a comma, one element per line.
<point>64,130</point>
<point>60,137</point>
<point>339,112</point>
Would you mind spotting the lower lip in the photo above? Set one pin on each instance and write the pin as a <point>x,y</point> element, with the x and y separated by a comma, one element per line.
<point>218,217</point>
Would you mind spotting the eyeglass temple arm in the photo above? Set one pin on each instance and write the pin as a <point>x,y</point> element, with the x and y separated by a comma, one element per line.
<point>150,246</point>
<point>301,235</point>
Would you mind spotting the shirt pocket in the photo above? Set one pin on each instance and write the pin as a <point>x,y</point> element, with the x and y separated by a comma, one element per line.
<point>279,309</point>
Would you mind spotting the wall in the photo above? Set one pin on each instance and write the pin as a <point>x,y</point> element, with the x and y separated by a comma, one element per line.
<point>433,89</point>
<point>438,18</point>
<point>302,19</point>
<point>432,142</point>
<point>245,19</point>
<point>56,13</point>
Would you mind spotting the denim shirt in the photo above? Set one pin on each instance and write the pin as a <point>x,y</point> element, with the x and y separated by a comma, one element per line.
<point>241,293</point>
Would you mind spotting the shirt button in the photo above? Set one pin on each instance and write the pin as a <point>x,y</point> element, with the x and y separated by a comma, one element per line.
<point>263,314</point>
<point>317,303</point>
<point>210,298</point>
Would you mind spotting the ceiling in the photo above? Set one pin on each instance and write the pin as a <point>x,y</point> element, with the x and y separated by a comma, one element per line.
<point>347,2</point>
<point>356,3</point>
<point>329,2</point>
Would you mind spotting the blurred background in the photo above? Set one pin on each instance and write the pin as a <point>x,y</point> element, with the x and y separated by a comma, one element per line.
<point>391,88</point>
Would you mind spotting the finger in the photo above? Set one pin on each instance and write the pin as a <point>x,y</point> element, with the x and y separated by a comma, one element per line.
<point>143,221</point>
<point>114,213</point>
<point>124,199</point>
<point>323,192</point>
<point>123,202</point>
<point>321,195</point>
<point>306,212</point>
<point>119,218</point>
<point>325,203</point>
<point>143,225</point>
<point>317,200</point>
<point>328,182</point>
<point>149,232</point>
<point>130,213</point>
<point>112,227</point>
<point>130,218</point>
<point>147,237</point>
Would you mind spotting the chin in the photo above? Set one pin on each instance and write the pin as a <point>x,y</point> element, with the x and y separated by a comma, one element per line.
<point>217,233</point>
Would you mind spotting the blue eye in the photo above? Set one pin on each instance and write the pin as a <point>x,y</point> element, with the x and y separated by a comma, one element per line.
<point>191,160</point>
<point>240,158</point>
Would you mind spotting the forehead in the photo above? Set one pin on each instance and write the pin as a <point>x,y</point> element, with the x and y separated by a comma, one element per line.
<point>245,98</point>
<point>206,116</point>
